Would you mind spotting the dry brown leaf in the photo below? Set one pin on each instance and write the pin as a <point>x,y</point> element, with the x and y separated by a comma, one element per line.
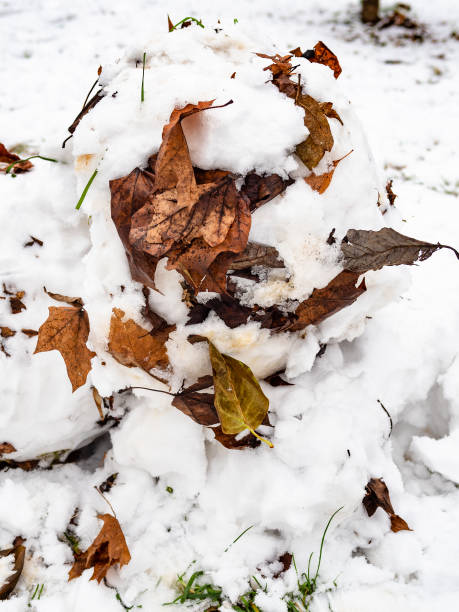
<point>390,194</point>
<point>339,293</point>
<point>170,25</point>
<point>321,182</point>
<point>329,111</point>
<point>256,254</point>
<point>232,441</point>
<point>322,55</point>
<point>66,330</point>
<point>16,303</point>
<point>377,496</point>
<point>365,250</point>
<point>129,194</point>
<point>7,158</point>
<point>108,549</point>
<point>6,332</point>
<point>134,346</point>
<point>6,448</point>
<point>262,189</point>
<point>72,301</point>
<point>18,550</point>
<point>30,332</point>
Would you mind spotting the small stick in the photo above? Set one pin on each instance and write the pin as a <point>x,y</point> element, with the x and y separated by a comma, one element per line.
<point>386,411</point>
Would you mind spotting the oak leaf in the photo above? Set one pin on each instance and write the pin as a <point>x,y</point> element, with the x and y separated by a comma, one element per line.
<point>365,250</point>
<point>18,551</point>
<point>108,549</point>
<point>340,292</point>
<point>321,54</point>
<point>66,330</point>
<point>133,346</point>
<point>377,496</point>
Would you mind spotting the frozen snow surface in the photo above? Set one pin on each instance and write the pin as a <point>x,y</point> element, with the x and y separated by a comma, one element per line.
<point>181,498</point>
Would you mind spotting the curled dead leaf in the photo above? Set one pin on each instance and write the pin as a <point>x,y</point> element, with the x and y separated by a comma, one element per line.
<point>321,54</point>
<point>7,158</point>
<point>377,496</point>
<point>321,182</point>
<point>18,551</point>
<point>6,448</point>
<point>108,549</point>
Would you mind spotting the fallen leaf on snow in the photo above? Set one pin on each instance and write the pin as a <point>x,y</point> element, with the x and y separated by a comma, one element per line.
<point>133,346</point>
<point>66,330</point>
<point>377,496</point>
<point>365,250</point>
<point>18,550</point>
<point>108,549</point>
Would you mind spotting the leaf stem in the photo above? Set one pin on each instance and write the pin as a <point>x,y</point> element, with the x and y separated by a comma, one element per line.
<point>148,389</point>
<point>252,431</point>
<point>142,91</point>
<point>20,161</point>
<point>85,190</point>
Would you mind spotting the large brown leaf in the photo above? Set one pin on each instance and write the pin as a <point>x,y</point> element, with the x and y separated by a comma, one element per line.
<point>134,346</point>
<point>108,549</point>
<point>365,250</point>
<point>129,194</point>
<point>377,496</point>
<point>66,330</point>
<point>18,550</point>
<point>339,293</point>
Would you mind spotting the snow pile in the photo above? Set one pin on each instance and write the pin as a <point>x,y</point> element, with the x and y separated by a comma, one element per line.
<point>180,497</point>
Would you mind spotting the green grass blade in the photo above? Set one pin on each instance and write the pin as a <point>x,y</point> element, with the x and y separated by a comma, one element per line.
<point>85,190</point>
<point>20,161</point>
<point>142,90</point>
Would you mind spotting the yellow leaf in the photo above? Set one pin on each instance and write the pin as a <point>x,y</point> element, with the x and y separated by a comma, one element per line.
<point>239,400</point>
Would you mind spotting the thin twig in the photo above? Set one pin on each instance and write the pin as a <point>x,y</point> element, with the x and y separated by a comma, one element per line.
<point>387,412</point>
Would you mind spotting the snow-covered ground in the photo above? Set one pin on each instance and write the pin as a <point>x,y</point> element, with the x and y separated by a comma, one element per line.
<point>180,498</point>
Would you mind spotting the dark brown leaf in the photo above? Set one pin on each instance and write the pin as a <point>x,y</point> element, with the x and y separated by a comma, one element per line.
<point>232,441</point>
<point>390,194</point>
<point>33,241</point>
<point>108,549</point>
<point>377,496</point>
<point>262,189</point>
<point>7,158</point>
<point>322,55</point>
<point>30,332</point>
<point>66,330</point>
<point>275,380</point>
<point>18,550</point>
<point>16,303</point>
<point>198,406</point>
<point>339,293</point>
<point>134,346</point>
<point>365,250</point>
<point>329,111</point>
<point>129,194</point>
<point>286,561</point>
